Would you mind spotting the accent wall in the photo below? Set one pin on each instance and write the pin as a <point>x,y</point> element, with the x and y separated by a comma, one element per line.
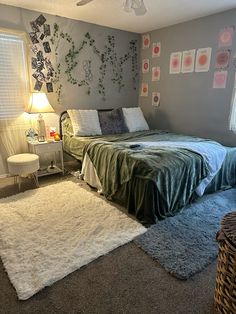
<point>188,102</point>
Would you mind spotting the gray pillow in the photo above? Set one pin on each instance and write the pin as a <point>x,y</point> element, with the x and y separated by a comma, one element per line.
<point>112,122</point>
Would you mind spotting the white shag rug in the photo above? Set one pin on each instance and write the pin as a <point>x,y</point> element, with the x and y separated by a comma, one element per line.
<point>47,233</point>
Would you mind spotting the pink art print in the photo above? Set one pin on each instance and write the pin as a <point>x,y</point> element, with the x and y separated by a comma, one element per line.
<point>156,73</point>
<point>145,66</point>
<point>222,58</point>
<point>156,50</point>
<point>156,99</point>
<point>220,78</point>
<point>146,41</point>
<point>203,60</point>
<point>226,37</point>
<point>175,62</point>
<point>188,61</point>
<point>144,90</point>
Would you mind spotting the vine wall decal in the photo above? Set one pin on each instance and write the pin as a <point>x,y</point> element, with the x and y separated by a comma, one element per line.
<point>109,62</point>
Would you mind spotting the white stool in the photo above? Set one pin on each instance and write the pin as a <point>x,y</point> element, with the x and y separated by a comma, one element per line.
<point>24,164</point>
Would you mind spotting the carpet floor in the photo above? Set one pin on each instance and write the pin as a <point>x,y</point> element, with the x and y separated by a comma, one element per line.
<point>125,281</point>
<point>186,243</point>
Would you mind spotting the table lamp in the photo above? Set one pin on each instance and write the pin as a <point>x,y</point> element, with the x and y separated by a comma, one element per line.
<point>39,104</point>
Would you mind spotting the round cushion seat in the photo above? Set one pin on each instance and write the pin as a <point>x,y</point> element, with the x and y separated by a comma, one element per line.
<point>23,163</point>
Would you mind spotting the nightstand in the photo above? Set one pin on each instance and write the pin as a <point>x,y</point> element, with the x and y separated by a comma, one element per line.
<point>42,148</point>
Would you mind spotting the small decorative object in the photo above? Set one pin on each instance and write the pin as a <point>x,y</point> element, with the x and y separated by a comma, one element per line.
<point>52,131</point>
<point>40,104</point>
<point>57,137</point>
<point>30,134</point>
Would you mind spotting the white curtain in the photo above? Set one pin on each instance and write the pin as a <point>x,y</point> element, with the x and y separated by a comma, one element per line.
<point>14,94</point>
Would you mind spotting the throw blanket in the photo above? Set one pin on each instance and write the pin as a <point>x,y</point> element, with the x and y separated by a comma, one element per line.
<point>212,152</point>
<point>176,172</point>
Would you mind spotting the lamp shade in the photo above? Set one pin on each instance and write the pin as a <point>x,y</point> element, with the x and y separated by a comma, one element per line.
<point>39,104</point>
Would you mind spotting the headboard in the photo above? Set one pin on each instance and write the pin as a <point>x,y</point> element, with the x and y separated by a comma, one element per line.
<point>65,115</point>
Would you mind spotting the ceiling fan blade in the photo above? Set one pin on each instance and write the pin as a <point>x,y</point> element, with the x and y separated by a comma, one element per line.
<point>141,10</point>
<point>128,6</point>
<point>136,4</point>
<point>83,2</point>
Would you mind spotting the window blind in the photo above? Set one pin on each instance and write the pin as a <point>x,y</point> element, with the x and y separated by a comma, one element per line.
<point>13,76</point>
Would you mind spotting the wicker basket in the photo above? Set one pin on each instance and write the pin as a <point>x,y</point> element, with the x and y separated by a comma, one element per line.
<point>225,290</point>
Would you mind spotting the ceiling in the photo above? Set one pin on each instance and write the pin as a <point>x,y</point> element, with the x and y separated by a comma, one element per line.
<point>160,13</point>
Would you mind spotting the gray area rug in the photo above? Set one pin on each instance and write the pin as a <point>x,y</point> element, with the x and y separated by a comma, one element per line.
<point>185,244</point>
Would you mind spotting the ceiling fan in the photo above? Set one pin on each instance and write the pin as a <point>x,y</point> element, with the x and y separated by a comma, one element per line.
<point>137,6</point>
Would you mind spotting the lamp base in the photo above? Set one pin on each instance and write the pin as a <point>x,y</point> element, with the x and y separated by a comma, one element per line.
<point>41,129</point>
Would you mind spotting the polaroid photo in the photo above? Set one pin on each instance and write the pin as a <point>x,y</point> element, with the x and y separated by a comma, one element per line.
<point>33,37</point>
<point>49,87</point>
<point>40,65</point>
<point>48,64</point>
<point>49,74</point>
<point>46,29</point>
<point>40,20</point>
<point>34,49</point>
<point>41,36</point>
<point>39,76</point>
<point>46,47</point>
<point>34,63</point>
<point>34,27</point>
<point>40,55</point>
<point>38,85</point>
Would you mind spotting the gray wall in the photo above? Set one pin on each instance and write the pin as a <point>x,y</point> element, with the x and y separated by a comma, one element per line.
<point>189,104</point>
<point>72,95</point>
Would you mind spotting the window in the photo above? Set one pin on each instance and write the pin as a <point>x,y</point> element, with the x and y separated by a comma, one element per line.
<point>232,121</point>
<point>13,75</point>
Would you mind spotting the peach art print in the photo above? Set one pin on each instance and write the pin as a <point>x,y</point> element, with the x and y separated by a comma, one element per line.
<point>175,62</point>
<point>203,60</point>
<point>188,59</point>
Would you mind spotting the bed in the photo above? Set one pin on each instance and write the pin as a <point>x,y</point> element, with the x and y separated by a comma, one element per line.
<point>149,172</point>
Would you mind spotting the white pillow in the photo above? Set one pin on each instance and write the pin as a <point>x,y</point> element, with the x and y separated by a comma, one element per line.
<point>134,119</point>
<point>85,122</point>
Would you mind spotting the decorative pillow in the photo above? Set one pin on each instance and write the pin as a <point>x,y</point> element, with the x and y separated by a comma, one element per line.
<point>112,122</point>
<point>85,122</point>
<point>135,120</point>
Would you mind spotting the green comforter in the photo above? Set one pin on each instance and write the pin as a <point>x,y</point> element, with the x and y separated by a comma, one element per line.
<point>175,172</point>
<point>150,183</point>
